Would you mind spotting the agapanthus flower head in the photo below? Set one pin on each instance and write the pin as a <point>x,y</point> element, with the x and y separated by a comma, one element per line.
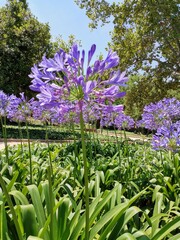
<point>167,137</point>
<point>64,78</point>
<point>4,102</point>
<point>108,113</point>
<point>118,78</point>
<point>164,112</point>
<point>123,121</point>
<point>20,108</point>
<point>40,113</point>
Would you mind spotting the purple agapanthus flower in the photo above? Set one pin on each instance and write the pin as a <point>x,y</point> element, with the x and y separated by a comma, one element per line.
<point>63,78</point>
<point>164,112</point>
<point>123,121</point>
<point>167,137</point>
<point>4,103</point>
<point>20,108</point>
<point>118,78</point>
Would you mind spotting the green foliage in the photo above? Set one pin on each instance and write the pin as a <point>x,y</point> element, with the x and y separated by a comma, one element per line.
<point>38,132</point>
<point>146,37</point>
<point>141,40</point>
<point>95,10</point>
<point>23,42</point>
<point>65,45</point>
<point>142,91</point>
<point>136,198</point>
<point>153,39</point>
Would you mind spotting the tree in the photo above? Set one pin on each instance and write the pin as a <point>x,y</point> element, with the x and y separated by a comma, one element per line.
<point>65,45</point>
<point>23,41</point>
<point>141,92</point>
<point>146,34</point>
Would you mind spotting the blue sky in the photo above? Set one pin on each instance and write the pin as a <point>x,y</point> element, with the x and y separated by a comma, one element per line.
<point>65,18</point>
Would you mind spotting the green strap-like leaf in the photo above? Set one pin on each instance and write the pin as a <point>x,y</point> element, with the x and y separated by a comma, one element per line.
<point>34,238</point>
<point>124,219</point>
<point>120,211</point>
<point>63,211</point>
<point>29,220</point>
<point>120,208</point>
<point>36,199</point>
<point>81,223</point>
<point>20,196</point>
<point>157,210</point>
<point>126,236</point>
<point>3,221</point>
<point>176,237</point>
<point>169,227</point>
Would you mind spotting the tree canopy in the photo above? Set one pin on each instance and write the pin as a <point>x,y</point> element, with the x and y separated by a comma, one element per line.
<point>23,41</point>
<point>146,34</point>
<point>59,42</point>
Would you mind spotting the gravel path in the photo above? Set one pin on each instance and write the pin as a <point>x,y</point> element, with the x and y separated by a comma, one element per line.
<point>13,142</point>
<point>9,144</point>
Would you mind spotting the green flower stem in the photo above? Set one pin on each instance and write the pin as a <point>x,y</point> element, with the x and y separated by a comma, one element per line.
<point>125,137</point>
<point>107,132</point>
<point>126,141</point>
<point>74,140</point>
<point>51,203</point>
<point>20,237</point>
<point>119,151</point>
<point>21,135</point>
<point>90,140</point>
<point>30,156</point>
<point>176,167</point>
<point>95,140</point>
<point>85,176</point>
<point>49,152</point>
<point>95,136</point>
<point>4,132</point>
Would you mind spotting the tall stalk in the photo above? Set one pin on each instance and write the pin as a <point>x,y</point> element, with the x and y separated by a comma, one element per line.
<point>49,152</point>
<point>90,141</point>
<point>4,133</point>
<point>85,176</point>
<point>74,140</point>
<point>176,167</point>
<point>119,152</point>
<point>95,141</point>
<point>11,207</point>
<point>51,202</point>
<point>30,156</point>
<point>21,135</point>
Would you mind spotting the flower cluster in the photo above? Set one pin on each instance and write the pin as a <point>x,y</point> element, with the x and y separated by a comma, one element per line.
<point>64,79</point>
<point>167,137</point>
<point>163,117</point>
<point>4,103</point>
<point>164,112</point>
<point>123,121</point>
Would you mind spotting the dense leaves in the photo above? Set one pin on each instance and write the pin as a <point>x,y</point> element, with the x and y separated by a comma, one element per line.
<point>146,33</point>
<point>146,37</point>
<point>118,207</point>
<point>23,41</point>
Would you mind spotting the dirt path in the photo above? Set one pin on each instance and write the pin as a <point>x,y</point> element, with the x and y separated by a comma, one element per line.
<point>13,142</point>
<point>9,144</point>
